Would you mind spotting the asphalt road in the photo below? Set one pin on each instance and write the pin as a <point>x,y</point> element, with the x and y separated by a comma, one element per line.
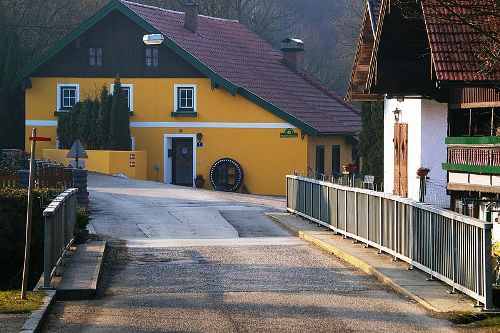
<point>184,260</point>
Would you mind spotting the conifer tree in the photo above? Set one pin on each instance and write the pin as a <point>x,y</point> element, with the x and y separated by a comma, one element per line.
<point>63,131</point>
<point>103,119</point>
<point>120,122</point>
<point>371,140</point>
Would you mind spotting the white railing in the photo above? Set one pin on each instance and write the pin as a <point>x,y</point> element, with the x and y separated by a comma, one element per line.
<point>60,219</point>
<point>451,247</point>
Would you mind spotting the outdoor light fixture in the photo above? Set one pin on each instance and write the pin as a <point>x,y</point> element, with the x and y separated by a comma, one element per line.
<point>397,114</point>
<point>153,39</point>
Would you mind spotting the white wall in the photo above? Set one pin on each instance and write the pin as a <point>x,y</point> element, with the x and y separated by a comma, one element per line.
<point>427,130</point>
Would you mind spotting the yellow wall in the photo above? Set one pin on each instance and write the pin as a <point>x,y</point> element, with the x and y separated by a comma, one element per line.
<point>328,142</point>
<point>105,161</point>
<point>265,157</point>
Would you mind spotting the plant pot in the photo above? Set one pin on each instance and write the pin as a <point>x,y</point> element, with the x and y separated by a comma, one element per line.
<point>351,168</point>
<point>422,173</point>
<point>199,183</point>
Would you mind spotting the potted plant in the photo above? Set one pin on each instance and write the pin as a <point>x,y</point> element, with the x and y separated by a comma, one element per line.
<point>350,167</point>
<point>423,171</point>
<point>199,181</point>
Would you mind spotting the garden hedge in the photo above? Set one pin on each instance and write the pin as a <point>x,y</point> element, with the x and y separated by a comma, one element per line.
<point>12,233</point>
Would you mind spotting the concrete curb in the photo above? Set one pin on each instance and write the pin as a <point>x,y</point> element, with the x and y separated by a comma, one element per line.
<point>356,262</point>
<point>78,293</point>
<point>36,318</point>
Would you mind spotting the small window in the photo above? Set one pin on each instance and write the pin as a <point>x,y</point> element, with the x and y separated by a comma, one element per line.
<point>152,58</point>
<point>67,96</point>
<point>128,91</point>
<point>185,98</point>
<point>95,56</point>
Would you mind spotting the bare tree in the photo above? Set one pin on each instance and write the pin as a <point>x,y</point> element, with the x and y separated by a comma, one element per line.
<point>41,23</point>
<point>479,17</point>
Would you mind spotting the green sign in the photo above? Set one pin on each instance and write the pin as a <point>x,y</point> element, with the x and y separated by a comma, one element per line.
<point>289,133</point>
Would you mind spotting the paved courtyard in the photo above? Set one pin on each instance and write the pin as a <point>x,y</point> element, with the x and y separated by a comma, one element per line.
<point>186,260</point>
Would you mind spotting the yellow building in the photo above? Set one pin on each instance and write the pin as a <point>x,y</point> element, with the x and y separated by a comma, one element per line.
<point>211,90</point>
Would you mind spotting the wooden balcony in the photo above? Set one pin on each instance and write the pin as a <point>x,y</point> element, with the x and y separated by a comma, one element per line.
<point>473,164</point>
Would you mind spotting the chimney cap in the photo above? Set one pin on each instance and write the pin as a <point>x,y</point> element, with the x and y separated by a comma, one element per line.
<point>191,2</point>
<point>292,44</point>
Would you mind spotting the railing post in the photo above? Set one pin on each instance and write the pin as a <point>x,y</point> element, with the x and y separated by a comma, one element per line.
<point>356,219</point>
<point>367,219</point>
<point>410,241</point>
<point>47,252</point>
<point>395,229</point>
<point>381,215</point>
<point>320,187</point>
<point>453,254</point>
<point>345,213</point>
<point>430,250</point>
<point>487,269</point>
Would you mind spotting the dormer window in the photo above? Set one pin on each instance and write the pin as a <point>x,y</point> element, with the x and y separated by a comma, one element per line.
<point>152,57</point>
<point>95,56</point>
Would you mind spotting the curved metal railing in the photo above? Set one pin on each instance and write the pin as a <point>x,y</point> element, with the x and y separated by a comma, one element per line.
<point>451,247</point>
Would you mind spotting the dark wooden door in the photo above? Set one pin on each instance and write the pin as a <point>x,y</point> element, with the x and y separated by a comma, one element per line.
<point>401,159</point>
<point>182,162</point>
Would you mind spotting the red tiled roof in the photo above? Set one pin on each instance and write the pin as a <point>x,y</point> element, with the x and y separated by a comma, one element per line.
<point>459,50</point>
<point>241,57</point>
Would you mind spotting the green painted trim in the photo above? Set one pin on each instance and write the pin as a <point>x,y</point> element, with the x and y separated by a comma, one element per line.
<point>184,114</point>
<point>278,112</point>
<point>226,84</point>
<point>490,170</point>
<point>479,140</point>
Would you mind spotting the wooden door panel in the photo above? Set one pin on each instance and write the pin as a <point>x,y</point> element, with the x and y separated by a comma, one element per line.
<point>396,159</point>
<point>403,165</point>
<point>401,159</point>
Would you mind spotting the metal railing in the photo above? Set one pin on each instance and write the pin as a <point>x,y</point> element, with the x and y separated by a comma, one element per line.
<point>60,219</point>
<point>451,247</point>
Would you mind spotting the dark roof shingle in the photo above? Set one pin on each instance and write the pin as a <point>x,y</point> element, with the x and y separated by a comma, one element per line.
<point>241,57</point>
<point>459,49</point>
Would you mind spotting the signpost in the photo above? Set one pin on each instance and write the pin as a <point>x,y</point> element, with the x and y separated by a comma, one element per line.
<point>77,151</point>
<point>33,138</point>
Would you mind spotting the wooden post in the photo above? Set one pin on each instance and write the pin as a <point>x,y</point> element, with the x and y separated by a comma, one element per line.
<point>28,217</point>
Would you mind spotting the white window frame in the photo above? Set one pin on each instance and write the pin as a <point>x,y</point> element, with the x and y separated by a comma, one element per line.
<point>176,101</point>
<point>64,85</point>
<point>129,86</point>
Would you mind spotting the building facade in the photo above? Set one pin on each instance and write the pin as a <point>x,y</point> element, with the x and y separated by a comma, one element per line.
<point>428,71</point>
<point>211,90</point>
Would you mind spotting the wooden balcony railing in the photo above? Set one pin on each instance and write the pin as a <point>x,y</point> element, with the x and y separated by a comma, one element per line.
<point>473,154</point>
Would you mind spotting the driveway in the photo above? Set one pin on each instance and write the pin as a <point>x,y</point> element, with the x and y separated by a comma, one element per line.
<point>186,260</point>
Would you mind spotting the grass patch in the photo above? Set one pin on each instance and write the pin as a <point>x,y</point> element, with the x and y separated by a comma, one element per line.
<point>11,302</point>
<point>475,318</point>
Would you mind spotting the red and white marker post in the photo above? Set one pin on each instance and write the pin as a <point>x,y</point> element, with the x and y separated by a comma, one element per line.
<point>26,266</point>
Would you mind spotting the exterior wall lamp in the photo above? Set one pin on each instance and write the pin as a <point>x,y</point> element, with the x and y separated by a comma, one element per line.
<point>397,115</point>
<point>153,39</point>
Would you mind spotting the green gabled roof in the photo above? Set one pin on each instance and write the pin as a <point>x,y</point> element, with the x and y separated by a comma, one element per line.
<point>117,5</point>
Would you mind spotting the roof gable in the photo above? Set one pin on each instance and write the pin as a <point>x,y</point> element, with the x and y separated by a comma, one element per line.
<point>240,62</point>
<point>453,47</point>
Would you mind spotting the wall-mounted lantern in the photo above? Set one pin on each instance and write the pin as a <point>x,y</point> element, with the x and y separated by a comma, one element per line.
<point>397,115</point>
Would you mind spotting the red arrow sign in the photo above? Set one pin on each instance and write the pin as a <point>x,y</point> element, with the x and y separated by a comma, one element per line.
<point>39,138</point>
